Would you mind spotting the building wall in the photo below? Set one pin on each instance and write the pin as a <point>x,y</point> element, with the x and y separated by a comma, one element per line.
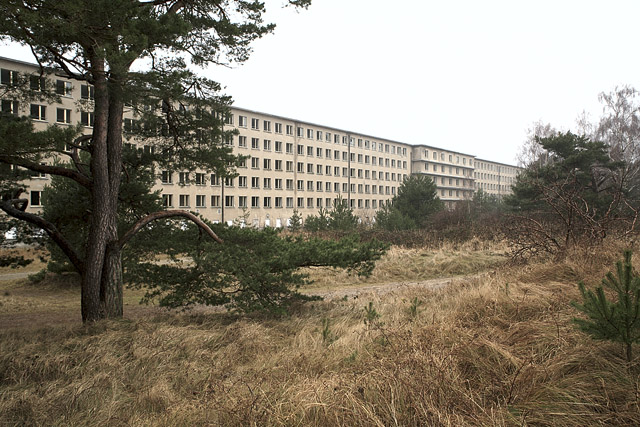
<point>292,164</point>
<point>495,178</point>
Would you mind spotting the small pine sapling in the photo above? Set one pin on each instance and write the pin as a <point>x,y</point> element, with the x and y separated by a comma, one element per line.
<point>613,320</point>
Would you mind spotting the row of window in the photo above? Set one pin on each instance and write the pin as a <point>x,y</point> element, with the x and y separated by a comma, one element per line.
<point>493,177</point>
<point>493,187</point>
<point>496,168</point>
<point>317,135</point>
<point>38,83</point>
<point>257,202</point>
<point>443,158</point>
<point>318,152</point>
<point>39,112</point>
<point>456,193</point>
<point>184,178</point>
<point>444,168</point>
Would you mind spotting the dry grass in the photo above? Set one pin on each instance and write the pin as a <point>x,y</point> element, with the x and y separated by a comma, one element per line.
<point>497,349</point>
<point>402,264</point>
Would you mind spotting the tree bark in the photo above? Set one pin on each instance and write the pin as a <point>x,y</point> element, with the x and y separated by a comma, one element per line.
<point>111,283</point>
<point>102,212</point>
<point>111,305</point>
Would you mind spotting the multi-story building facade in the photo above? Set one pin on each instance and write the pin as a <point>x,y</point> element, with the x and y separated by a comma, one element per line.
<point>494,178</point>
<point>290,164</point>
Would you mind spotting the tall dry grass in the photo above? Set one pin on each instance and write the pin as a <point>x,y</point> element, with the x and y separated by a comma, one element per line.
<point>496,349</point>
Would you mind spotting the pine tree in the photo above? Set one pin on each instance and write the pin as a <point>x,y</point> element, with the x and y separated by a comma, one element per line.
<point>97,43</point>
<point>617,319</point>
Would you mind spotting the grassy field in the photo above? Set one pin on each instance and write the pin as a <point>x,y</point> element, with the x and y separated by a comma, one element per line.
<point>494,348</point>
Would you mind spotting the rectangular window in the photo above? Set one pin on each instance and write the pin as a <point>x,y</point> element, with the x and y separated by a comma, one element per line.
<point>255,182</point>
<point>255,124</point>
<point>266,183</point>
<point>167,200</point>
<point>255,143</point>
<point>38,112</point>
<point>266,145</point>
<point>215,201</point>
<point>242,201</point>
<point>36,83</point>
<point>10,107</point>
<point>300,202</point>
<point>266,202</point>
<point>200,179</point>
<point>215,180</point>
<point>8,77</point>
<point>278,146</point>
<point>166,177</point>
<point>183,178</point>
<point>228,201</point>
<point>255,163</point>
<point>242,141</point>
<point>87,118</point>
<point>255,201</point>
<point>278,165</point>
<point>87,92</point>
<point>266,125</point>
<point>242,181</point>
<point>289,202</point>
<point>266,164</point>
<point>63,88</point>
<point>289,165</point>
<point>278,127</point>
<point>289,130</point>
<point>310,151</point>
<point>278,183</point>
<point>289,148</point>
<point>300,132</point>
<point>35,198</point>
<point>289,184</point>
<point>184,201</point>
<point>242,121</point>
<point>278,202</point>
<point>200,201</point>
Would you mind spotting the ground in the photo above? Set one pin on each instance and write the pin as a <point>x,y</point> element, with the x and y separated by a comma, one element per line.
<point>494,345</point>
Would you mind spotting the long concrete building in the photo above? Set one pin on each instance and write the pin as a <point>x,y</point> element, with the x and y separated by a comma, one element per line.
<point>291,164</point>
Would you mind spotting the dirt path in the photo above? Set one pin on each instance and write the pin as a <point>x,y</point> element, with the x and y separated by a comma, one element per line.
<point>35,318</point>
<point>14,276</point>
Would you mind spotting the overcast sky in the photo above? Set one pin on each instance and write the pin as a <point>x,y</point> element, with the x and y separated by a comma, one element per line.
<point>469,76</point>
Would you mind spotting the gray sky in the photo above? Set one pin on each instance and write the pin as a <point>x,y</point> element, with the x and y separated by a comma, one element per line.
<point>466,75</point>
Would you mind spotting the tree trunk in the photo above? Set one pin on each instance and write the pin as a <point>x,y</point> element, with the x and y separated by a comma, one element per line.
<point>111,284</point>
<point>101,210</point>
<point>111,305</point>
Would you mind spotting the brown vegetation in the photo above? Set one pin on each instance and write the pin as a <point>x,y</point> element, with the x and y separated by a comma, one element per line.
<point>498,348</point>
